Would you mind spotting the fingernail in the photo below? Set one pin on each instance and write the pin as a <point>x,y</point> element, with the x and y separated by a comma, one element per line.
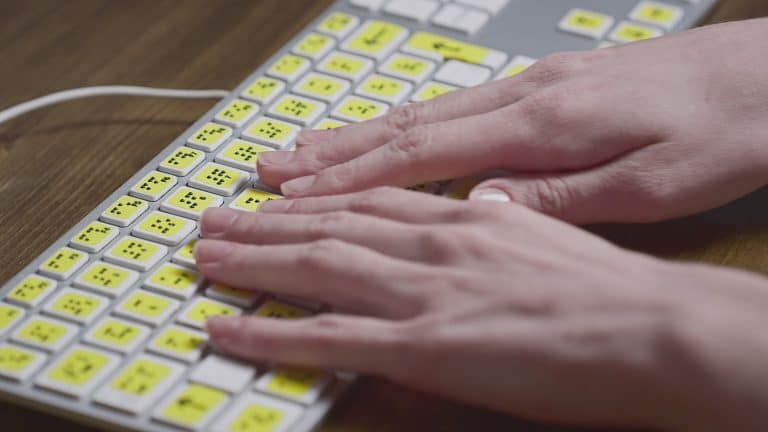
<point>217,220</point>
<point>211,251</point>
<point>299,185</point>
<point>223,331</point>
<point>316,136</point>
<point>274,206</point>
<point>275,157</point>
<point>489,194</point>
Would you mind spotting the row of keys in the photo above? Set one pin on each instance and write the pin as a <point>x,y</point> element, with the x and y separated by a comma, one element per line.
<point>648,18</point>
<point>467,16</point>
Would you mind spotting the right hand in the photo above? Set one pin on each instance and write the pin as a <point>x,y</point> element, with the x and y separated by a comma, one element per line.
<point>636,133</point>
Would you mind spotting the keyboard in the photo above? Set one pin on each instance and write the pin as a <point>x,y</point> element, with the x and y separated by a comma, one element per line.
<point>107,326</point>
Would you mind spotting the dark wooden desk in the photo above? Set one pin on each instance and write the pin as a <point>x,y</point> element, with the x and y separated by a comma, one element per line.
<point>86,149</point>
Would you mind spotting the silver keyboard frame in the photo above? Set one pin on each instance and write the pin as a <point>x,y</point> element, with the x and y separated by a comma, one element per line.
<point>532,33</point>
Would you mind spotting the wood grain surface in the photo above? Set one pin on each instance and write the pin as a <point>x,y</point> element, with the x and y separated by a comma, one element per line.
<point>59,163</point>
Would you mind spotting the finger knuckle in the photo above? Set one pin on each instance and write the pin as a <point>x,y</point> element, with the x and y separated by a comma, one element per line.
<point>321,255</point>
<point>472,212</point>
<point>402,118</point>
<point>550,195</point>
<point>436,243</point>
<point>372,200</point>
<point>556,67</point>
<point>327,224</point>
<point>408,143</point>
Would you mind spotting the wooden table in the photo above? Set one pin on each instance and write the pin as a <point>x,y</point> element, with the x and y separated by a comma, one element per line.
<point>86,149</point>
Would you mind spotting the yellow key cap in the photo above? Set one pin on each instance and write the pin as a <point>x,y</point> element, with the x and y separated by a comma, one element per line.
<point>518,65</point>
<point>180,343</point>
<point>209,137</point>
<point>77,306</point>
<point>413,69</point>
<point>241,154</point>
<point>314,46</point>
<point>19,363</point>
<point>164,228</point>
<point>586,23</point>
<point>444,48</point>
<point>191,203</point>
<point>239,297</point>
<point>219,179</point>
<point>329,123</point>
<point>139,384</point>
<point>256,413</point>
<point>186,255</point>
<point>182,161</point>
<point>656,13</point>
<point>106,279</point>
<point>297,109</point>
<point>264,90</point>
<point>94,237</point>
<point>339,24</point>
<point>63,263</point>
<point>251,199</point>
<point>628,31</point>
<point>9,316</point>
<point>78,371</point>
<point>32,290</point>
<point>390,90</point>
<point>274,309</point>
<point>141,377</point>
<point>191,406</point>
<point>323,87</point>
<point>146,307</point>
<point>45,333</point>
<point>347,66</point>
<point>289,67</point>
<point>356,109</point>
<point>376,39</point>
<point>124,211</point>
<point>153,186</point>
<point>202,309</point>
<point>237,113</point>
<point>174,280</point>
<point>300,385</point>
<point>117,335</point>
<point>136,254</point>
<point>274,133</point>
<point>431,90</point>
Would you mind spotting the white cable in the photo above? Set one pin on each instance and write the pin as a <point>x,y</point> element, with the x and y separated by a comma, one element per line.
<point>84,92</point>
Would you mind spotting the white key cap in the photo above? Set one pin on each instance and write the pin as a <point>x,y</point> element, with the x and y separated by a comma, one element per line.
<point>45,333</point>
<point>139,385</point>
<point>419,10</point>
<point>462,74</point>
<point>19,364</point>
<point>75,305</point>
<point>300,385</point>
<point>371,5</point>
<point>492,6</point>
<point>78,371</point>
<point>117,335</point>
<point>223,373</point>
<point>255,411</point>
<point>459,18</point>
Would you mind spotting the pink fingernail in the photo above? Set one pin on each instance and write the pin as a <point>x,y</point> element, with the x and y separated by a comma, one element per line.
<point>299,185</point>
<point>317,136</point>
<point>274,206</point>
<point>223,330</point>
<point>275,157</point>
<point>489,195</point>
<point>211,251</point>
<point>216,221</point>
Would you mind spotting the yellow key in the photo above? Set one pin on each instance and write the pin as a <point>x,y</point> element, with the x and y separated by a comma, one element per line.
<point>146,307</point>
<point>385,89</point>
<point>164,228</point>
<point>586,23</point>
<point>32,290</point>
<point>106,279</point>
<point>153,186</point>
<point>314,46</point>
<point>179,343</point>
<point>136,254</point>
<point>124,211</point>
<point>18,363</point>
<point>376,39</point>
<point>62,264</point>
<point>9,316</point>
<point>256,418</point>
<point>251,199</point>
<point>94,237</point>
<point>329,123</point>
<point>78,371</point>
<point>174,280</point>
<point>202,309</point>
<point>45,333</point>
<point>627,32</point>
<point>271,132</point>
<point>301,385</point>
<point>297,109</point>
<point>241,154</point>
<point>219,179</point>
<point>347,66</point>
<point>237,113</point>
<point>323,87</point>
<point>191,203</point>
<point>209,137</point>
<point>273,309</point>
<point>656,13</point>
<point>192,406</point>
<point>518,65</point>
<point>444,48</point>
<point>289,67</point>
<point>413,69</point>
<point>118,335</point>
<point>141,377</point>
<point>357,109</point>
<point>186,255</point>
<point>75,305</point>
<point>138,385</point>
<point>182,161</point>
<point>431,90</point>
<point>339,24</point>
<point>264,90</point>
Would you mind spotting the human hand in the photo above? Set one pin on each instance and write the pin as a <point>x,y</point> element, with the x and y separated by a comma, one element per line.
<point>636,133</point>
<point>496,305</point>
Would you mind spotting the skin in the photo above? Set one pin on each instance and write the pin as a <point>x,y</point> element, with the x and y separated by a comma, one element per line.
<point>499,304</point>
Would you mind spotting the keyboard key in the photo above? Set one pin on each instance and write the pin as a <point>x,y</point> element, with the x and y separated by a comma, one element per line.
<point>627,31</point>
<point>297,109</point>
<point>164,228</point>
<point>185,256</point>
<point>237,113</point>
<point>223,373</point>
<point>106,279</point>
<point>390,90</point>
<point>656,13</point>
<point>19,364</point>
<point>190,202</point>
<point>357,109</point>
<point>241,154</point>
<point>139,384</point>
<point>300,385</point>
<point>314,46</point>
<point>182,161</point>
<point>323,87</point>
<point>375,39</point>
<point>289,68</point>
<point>339,24</point>
<point>31,291</point>
<point>329,123</point>
<point>191,406</point>
<point>258,413</point>
<point>219,179</point>
<point>440,48</point>
<point>147,308</point>
<point>9,317</point>
<point>153,186</point>
<point>492,6</point>
<point>251,199</point>
<point>174,280</point>
<point>462,74</point>
<point>586,23</point>
<point>264,90</point>
<point>45,333</point>
<point>417,10</point>
<point>78,371</point>
<point>238,297</point>
<point>274,133</point>
<point>179,343</point>
<point>370,5</point>
<point>136,254</point>
<point>276,309</point>
<point>413,69</point>
<point>518,65</point>
<point>459,18</point>
<point>431,90</point>
<point>201,309</point>
<point>124,211</point>
<point>64,263</point>
<point>77,306</point>
<point>94,237</point>
<point>117,335</point>
<point>209,137</point>
<point>347,66</point>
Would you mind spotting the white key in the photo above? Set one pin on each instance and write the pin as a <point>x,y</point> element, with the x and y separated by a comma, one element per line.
<point>283,381</point>
<point>223,373</point>
<point>147,308</point>
<point>586,23</point>
<point>180,343</point>
<point>465,20</point>
<point>78,371</point>
<point>462,74</point>
<point>419,10</point>
<point>671,18</point>
<point>45,333</point>
<point>407,67</point>
<point>117,335</point>
<point>492,6</point>
<point>139,384</point>
<point>253,409</point>
<point>19,364</point>
<point>76,306</point>
<point>371,5</point>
